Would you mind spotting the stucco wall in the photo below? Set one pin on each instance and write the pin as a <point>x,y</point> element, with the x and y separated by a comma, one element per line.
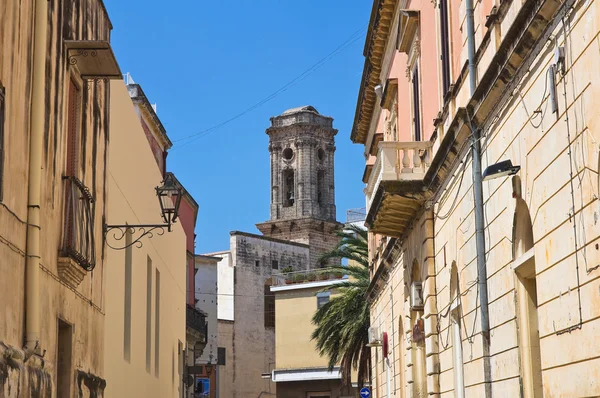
<point>83,306</point>
<point>133,201</point>
<point>294,310</point>
<point>207,296</point>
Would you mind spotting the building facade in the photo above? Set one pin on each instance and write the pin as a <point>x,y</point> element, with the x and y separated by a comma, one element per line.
<point>145,334</point>
<point>206,297</point>
<point>484,288</point>
<point>299,370</point>
<point>54,134</point>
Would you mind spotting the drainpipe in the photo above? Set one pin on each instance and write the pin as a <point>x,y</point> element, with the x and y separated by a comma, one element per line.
<point>36,140</point>
<point>478,199</point>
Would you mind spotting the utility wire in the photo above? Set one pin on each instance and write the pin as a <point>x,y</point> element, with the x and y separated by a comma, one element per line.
<point>351,40</point>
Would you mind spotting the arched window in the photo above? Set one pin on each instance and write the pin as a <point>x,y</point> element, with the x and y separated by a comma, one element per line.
<point>455,325</point>
<point>418,333</point>
<point>526,286</point>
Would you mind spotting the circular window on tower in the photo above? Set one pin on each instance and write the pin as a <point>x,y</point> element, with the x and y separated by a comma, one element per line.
<point>320,154</point>
<point>288,153</point>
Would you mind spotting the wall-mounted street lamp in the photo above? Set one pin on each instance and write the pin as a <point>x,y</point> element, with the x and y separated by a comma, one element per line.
<point>500,169</point>
<point>169,196</point>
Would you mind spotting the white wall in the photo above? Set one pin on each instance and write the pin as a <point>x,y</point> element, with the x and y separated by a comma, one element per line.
<point>225,300</point>
<point>207,296</point>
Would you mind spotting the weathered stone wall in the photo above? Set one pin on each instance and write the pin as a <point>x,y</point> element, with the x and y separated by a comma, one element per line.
<point>81,306</point>
<point>302,142</point>
<point>253,346</point>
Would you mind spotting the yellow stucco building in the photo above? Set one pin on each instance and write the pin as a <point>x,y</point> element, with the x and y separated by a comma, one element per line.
<point>145,332</point>
<point>299,371</point>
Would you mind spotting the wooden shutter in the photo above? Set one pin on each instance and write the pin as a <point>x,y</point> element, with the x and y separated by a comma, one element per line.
<point>1,142</point>
<point>445,45</point>
<point>72,129</point>
<point>416,104</point>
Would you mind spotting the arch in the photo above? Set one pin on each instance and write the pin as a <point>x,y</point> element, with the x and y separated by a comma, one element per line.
<point>527,304</point>
<point>454,287</point>
<point>522,225</point>
<point>455,328</point>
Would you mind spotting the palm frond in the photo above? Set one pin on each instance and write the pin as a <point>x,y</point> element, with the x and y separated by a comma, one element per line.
<point>341,325</point>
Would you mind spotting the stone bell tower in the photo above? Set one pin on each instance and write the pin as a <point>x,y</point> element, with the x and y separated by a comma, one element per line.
<point>301,143</point>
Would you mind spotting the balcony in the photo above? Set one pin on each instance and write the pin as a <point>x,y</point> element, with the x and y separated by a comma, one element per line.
<point>395,188</point>
<point>195,321</point>
<point>78,250</point>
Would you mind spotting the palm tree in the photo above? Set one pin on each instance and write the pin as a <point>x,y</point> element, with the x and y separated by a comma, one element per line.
<point>342,324</point>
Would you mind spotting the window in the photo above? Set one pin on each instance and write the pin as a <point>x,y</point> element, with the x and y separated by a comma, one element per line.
<point>288,190</point>
<point>157,325</point>
<point>221,356</point>
<point>322,299</point>
<point>63,359</point>
<point>416,104</point>
<point>445,46</point>
<point>148,314</point>
<point>127,300</point>
<point>73,121</point>
<point>274,264</point>
<point>269,306</point>
<point>1,141</point>
<point>257,263</point>
<point>321,186</point>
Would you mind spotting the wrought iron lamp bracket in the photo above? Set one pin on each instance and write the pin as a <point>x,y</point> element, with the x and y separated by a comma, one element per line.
<point>119,233</point>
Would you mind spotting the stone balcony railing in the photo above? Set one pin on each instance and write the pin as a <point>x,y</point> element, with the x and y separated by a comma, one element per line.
<point>398,161</point>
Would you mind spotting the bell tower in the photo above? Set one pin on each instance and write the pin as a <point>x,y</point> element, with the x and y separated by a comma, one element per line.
<point>302,147</point>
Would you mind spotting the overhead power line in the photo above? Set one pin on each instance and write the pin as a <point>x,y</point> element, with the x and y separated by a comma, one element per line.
<point>347,43</point>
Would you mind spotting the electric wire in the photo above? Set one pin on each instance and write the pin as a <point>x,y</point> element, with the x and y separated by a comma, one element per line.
<point>339,49</point>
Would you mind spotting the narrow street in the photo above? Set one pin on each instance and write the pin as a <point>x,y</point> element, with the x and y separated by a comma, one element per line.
<point>317,199</point>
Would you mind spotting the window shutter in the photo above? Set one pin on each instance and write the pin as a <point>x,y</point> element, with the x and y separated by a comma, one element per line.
<point>73,120</point>
<point>1,142</point>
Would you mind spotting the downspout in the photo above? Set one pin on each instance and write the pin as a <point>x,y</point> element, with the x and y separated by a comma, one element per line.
<point>478,199</point>
<point>36,140</point>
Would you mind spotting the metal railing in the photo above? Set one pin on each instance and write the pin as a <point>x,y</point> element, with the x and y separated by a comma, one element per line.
<point>305,276</point>
<point>78,233</point>
<point>196,320</point>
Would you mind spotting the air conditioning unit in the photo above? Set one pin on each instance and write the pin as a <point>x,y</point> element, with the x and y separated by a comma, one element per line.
<point>374,337</point>
<point>416,296</point>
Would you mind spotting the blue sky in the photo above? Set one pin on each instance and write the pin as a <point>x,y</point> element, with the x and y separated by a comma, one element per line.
<point>205,62</point>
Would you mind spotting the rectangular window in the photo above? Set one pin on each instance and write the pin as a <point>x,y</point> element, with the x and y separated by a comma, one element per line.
<point>73,128</point>
<point>322,299</point>
<point>149,314</point>
<point>1,141</point>
<point>275,264</point>
<point>269,307</point>
<point>416,104</point>
<point>157,325</point>
<point>221,356</point>
<point>256,263</point>
<point>321,187</point>
<point>127,300</point>
<point>63,359</point>
<point>445,46</point>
